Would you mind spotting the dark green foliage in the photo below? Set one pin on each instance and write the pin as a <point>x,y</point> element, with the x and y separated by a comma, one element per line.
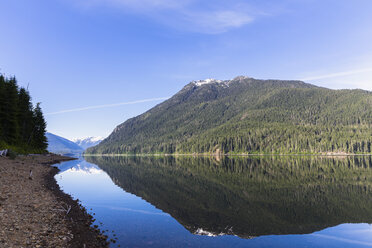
<point>10,125</point>
<point>11,154</point>
<point>22,127</point>
<point>25,115</point>
<point>245,115</point>
<point>38,136</point>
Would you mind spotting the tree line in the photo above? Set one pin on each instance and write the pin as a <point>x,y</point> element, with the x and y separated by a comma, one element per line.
<point>22,125</point>
<point>256,117</point>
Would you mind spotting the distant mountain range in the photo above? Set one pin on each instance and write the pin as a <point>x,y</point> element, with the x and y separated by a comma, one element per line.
<point>60,145</point>
<point>246,115</point>
<point>88,142</point>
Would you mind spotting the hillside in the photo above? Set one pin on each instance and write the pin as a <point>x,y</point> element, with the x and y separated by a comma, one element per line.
<point>246,115</point>
<point>59,145</point>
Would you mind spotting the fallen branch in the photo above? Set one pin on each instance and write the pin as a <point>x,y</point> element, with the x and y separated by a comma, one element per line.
<point>63,209</point>
<point>68,210</point>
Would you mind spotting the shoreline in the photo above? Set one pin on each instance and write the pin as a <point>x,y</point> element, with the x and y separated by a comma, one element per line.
<point>35,212</point>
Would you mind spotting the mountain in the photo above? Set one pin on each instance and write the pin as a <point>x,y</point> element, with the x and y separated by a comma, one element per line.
<point>59,145</point>
<point>246,115</point>
<point>88,142</point>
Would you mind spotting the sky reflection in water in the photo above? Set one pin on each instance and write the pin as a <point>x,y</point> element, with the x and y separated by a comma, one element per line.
<point>137,223</point>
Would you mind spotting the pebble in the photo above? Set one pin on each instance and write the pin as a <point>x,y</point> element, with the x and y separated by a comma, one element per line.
<point>26,207</point>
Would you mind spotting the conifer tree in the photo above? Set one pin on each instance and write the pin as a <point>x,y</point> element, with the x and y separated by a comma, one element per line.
<point>2,106</point>
<point>25,117</point>
<point>38,137</point>
<point>21,126</point>
<point>10,124</point>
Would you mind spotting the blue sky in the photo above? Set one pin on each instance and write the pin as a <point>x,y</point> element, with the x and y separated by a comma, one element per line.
<point>80,54</point>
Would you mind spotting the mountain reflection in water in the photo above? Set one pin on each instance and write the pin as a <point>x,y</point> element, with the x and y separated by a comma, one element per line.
<point>249,196</point>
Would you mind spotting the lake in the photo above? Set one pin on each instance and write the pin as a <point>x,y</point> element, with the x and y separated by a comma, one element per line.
<point>282,201</point>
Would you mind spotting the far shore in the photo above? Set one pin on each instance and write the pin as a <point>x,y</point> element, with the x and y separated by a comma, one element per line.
<point>328,154</point>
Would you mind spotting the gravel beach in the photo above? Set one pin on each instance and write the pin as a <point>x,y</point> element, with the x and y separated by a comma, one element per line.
<point>34,212</point>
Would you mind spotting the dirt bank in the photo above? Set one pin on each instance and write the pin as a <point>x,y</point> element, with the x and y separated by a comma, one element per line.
<point>34,212</point>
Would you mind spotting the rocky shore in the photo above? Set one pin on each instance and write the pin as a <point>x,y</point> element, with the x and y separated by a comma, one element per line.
<point>34,212</point>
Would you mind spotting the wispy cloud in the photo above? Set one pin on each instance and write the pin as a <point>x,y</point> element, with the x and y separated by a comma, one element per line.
<point>189,15</point>
<point>337,74</point>
<point>106,106</point>
<point>219,21</point>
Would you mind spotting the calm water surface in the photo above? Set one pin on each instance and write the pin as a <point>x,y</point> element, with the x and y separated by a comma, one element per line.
<point>230,202</point>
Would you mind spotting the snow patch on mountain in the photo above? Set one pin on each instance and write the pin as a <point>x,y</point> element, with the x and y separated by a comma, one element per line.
<point>206,81</point>
<point>225,83</point>
<point>88,142</point>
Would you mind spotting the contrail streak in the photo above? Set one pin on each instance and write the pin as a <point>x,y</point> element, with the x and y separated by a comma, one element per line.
<point>107,105</point>
<point>129,210</point>
<point>342,239</point>
<point>337,74</point>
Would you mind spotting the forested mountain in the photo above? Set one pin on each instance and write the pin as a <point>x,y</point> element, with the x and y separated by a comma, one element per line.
<point>60,145</point>
<point>245,115</point>
<point>22,126</point>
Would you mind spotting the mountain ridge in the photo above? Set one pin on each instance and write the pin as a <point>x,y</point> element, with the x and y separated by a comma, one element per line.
<point>246,115</point>
<point>88,141</point>
<point>63,146</point>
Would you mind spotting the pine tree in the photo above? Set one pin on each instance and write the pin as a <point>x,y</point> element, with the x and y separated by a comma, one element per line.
<point>10,124</point>
<point>2,106</point>
<point>25,115</point>
<point>38,138</point>
<point>21,127</point>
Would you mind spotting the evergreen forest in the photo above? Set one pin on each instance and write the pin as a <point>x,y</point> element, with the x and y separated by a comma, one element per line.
<point>22,125</point>
<point>249,116</point>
